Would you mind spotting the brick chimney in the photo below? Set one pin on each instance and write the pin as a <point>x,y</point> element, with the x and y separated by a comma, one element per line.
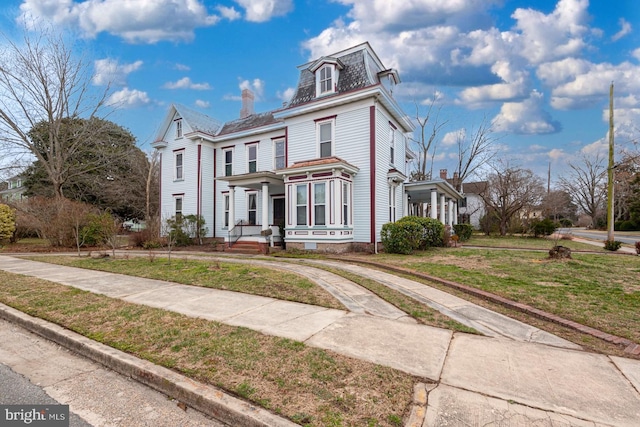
<point>443,173</point>
<point>247,103</point>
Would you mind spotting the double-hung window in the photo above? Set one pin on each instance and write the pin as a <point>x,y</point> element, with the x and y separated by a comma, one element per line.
<point>325,138</point>
<point>252,208</point>
<point>178,205</point>
<point>319,203</point>
<point>226,210</point>
<point>228,162</point>
<point>392,203</point>
<point>279,159</point>
<point>252,158</point>
<point>326,79</point>
<point>345,203</point>
<point>392,144</point>
<point>179,128</point>
<point>178,157</point>
<point>301,204</point>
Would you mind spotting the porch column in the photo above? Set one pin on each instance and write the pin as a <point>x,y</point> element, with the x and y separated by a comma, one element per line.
<point>443,202</point>
<point>265,206</point>
<point>232,206</point>
<point>434,204</point>
<point>450,219</point>
<point>455,212</point>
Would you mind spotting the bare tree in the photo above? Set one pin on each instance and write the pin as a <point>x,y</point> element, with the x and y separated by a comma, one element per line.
<point>42,82</point>
<point>509,191</point>
<point>429,127</point>
<point>475,149</point>
<point>152,190</point>
<point>587,183</point>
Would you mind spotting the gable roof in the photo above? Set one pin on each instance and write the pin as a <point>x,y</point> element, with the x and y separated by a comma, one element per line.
<point>197,122</point>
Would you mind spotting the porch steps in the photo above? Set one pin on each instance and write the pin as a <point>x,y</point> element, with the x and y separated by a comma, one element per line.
<point>243,247</point>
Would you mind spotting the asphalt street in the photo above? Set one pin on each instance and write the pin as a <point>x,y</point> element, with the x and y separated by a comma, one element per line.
<point>627,237</point>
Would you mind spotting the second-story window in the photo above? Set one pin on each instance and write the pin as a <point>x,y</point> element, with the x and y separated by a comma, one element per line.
<point>279,158</point>
<point>179,128</point>
<point>325,138</point>
<point>252,158</point>
<point>228,162</point>
<point>179,162</point>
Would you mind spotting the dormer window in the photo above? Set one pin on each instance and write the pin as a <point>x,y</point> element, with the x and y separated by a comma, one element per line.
<point>179,128</point>
<point>326,72</point>
<point>325,78</point>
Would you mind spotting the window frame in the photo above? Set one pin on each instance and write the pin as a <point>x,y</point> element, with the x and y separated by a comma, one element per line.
<point>178,167</point>
<point>392,145</point>
<point>227,164</point>
<point>225,208</point>
<point>346,205</point>
<point>392,203</point>
<point>254,196</point>
<point>302,207</point>
<point>178,128</point>
<point>275,153</point>
<point>252,147</point>
<point>316,205</point>
<point>178,199</point>
<point>332,123</point>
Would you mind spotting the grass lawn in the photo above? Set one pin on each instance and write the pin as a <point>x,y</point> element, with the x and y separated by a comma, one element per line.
<point>310,386</point>
<point>598,290</point>
<point>527,242</point>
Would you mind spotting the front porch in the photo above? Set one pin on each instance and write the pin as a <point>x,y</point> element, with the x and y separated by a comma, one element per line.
<point>437,198</point>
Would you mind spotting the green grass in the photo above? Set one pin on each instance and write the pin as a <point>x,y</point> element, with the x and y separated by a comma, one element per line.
<point>598,290</point>
<point>212,274</point>
<point>312,386</point>
<point>526,242</point>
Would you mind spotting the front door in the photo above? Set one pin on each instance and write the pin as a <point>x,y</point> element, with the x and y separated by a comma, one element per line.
<point>278,210</point>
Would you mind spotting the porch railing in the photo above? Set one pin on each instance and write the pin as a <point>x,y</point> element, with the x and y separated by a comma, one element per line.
<point>243,228</point>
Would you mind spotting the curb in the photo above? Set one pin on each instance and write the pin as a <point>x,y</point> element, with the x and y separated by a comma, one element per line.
<point>630,346</point>
<point>202,397</point>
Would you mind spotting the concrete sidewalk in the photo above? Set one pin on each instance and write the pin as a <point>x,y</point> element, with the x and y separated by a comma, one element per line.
<point>480,379</point>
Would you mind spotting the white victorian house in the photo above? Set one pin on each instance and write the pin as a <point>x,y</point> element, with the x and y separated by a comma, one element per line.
<point>329,167</point>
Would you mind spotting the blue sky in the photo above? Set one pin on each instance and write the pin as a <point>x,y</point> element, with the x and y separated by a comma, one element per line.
<point>538,70</point>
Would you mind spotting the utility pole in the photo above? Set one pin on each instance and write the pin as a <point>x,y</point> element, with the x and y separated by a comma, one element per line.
<point>610,170</point>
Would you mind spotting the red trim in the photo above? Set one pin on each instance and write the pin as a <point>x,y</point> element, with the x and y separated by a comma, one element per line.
<point>215,198</point>
<point>392,125</point>
<point>309,203</point>
<point>321,174</point>
<point>297,177</point>
<point>280,137</point>
<point>178,149</point>
<point>252,142</point>
<point>199,193</point>
<point>227,147</point>
<point>177,194</point>
<point>372,172</point>
<point>160,182</point>
<point>326,118</point>
<point>286,147</point>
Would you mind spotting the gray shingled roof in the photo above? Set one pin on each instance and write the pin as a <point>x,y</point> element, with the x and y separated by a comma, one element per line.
<point>353,76</point>
<point>198,122</point>
<point>250,122</point>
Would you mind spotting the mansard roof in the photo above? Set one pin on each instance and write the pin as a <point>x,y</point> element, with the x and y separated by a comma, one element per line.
<point>360,69</point>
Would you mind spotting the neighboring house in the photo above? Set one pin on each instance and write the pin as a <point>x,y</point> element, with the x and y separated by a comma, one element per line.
<point>329,167</point>
<point>13,190</point>
<point>472,207</point>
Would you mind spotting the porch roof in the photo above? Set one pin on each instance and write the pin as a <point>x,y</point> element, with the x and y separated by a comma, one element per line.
<point>420,191</point>
<point>253,180</point>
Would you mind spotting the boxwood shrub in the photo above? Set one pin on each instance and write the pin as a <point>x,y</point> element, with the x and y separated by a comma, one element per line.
<point>412,233</point>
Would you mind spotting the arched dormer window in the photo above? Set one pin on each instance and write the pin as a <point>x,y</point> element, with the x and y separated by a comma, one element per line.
<point>326,71</point>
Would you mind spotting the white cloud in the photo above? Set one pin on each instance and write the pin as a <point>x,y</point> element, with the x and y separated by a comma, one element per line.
<point>256,86</point>
<point>182,67</point>
<point>186,83</point>
<point>553,36</point>
<point>625,28</point>
<point>526,117</point>
<point>451,138</point>
<point>636,54</point>
<point>264,10</point>
<point>599,147</point>
<point>129,98</point>
<point>110,71</point>
<point>134,21</point>
<point>202,104</point>
<point>557,154</point>
<point>286,95</point>
<point>229,13</point>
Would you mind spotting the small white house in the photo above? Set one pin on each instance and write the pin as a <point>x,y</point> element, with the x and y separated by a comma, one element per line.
<point>329,168</point>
